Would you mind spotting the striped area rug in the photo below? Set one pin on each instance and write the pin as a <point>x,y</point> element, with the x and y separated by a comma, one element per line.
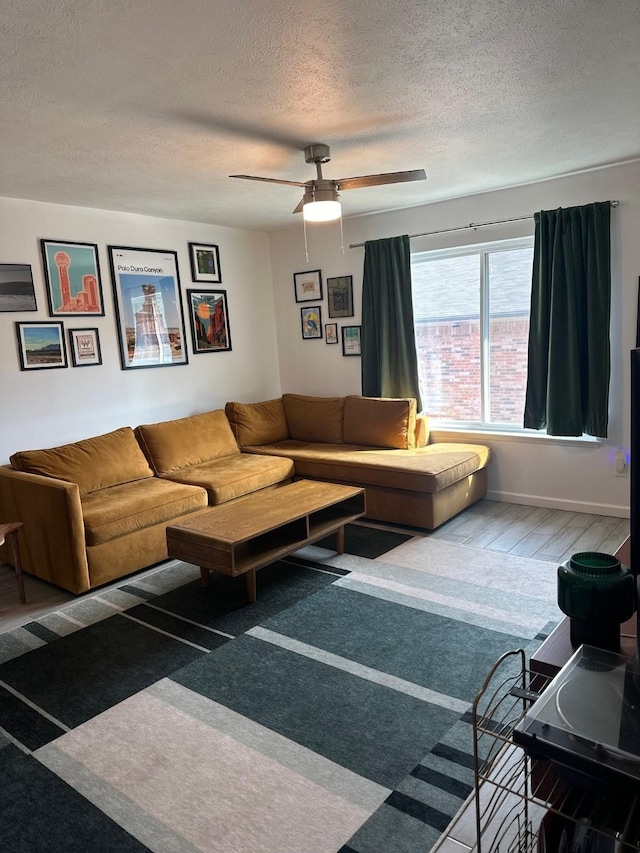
<point>331,715</point>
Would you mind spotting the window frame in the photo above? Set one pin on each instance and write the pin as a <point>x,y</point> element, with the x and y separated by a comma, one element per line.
<point>483,249</point>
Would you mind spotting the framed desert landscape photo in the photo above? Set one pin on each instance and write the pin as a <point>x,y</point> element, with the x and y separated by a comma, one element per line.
<point>351,340</point>
<point>72,278</point>
<point>41,345</point>
<point>205,262</point>
<point>311,319</point>
<point>209,320</point>
<point>340,296</point>
<point>16,288</point>
<point>149,318</point>
<point>85,347</point>
<point>308,286</point>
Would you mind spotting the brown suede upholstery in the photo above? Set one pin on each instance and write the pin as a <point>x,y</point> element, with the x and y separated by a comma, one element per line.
<point>380,422</point>
<point>173,445</point>
<point>384,446</point>
<point>258,423</point>
<point>234,476</point>
<point>314,418</point>
<point>93,463</point>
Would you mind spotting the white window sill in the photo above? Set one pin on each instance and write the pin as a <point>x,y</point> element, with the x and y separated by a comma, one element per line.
<point>463,434</point>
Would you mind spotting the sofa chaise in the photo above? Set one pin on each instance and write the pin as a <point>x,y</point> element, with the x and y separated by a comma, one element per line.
<point>376,443</point>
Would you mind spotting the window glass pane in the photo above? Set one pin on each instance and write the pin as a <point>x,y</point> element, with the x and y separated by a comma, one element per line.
<point>446,304</point>
<point>509,307</point>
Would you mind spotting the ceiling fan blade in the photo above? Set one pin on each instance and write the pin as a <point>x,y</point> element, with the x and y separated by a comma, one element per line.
<point>299,206</point>
<point>378,180</point>
<point>269,180</point>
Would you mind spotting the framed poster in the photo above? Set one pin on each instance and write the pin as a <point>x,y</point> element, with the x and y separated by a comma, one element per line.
<point>209,320</point>
<point>41,345</point>
<point>311,319</point>
<point>85,347</point>
<point>351,340</point>
<point>149,318</point>
<point>205,262</point>
<point>331,333</point>
<point>340,296</point>
<point>72,278</point>
<point>16,288</point>
<point>308,286</point>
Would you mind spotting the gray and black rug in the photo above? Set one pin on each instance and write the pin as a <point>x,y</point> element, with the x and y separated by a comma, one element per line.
<point>331,715</point>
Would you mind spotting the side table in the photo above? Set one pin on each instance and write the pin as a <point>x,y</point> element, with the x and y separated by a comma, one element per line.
<point>9,532</point>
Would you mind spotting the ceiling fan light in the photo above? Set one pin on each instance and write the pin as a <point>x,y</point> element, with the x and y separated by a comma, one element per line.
<point>321,211</point>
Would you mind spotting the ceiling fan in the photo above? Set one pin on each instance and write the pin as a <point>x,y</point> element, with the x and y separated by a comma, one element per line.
<point>320,202</point>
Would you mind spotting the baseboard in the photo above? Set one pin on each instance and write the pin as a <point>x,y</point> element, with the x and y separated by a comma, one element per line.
<point>559,503</point>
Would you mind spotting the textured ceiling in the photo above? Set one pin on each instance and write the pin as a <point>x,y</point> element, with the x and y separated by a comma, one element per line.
<point>148,106</point>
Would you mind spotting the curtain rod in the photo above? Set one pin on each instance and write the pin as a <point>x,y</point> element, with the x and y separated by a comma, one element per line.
<point>464,227</point>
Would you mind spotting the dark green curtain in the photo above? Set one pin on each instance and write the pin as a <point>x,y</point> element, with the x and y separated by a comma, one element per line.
<point>568,371</point>
<point>388,345</point>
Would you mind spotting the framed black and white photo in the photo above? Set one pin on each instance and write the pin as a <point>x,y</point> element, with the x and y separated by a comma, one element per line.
<point>16,288</point>
<point>205,262</point>
<point>149,318</point>
<point>41,345</point>
<point>85,347</point>
<point>308,286</point>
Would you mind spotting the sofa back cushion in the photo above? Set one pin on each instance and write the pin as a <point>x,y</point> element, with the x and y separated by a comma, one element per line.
<point>258,423</point>
<point>314,418</point>
<point>380,421</point>
<point>93,463</point>
<point>172,445</point>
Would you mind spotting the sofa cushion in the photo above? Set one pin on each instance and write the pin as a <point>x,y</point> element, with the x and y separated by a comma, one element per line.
<point>119,510</point>
<point>258,423</point>
<point>235,476</point>
<point>93,463</point>
<point>426,469</point>
<point>172,445</point>
<point>314,418</point>
<point>380,421</point>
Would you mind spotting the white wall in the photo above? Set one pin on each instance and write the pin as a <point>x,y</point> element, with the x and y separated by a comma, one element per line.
<point>42,408</point>
<point>564,475</point>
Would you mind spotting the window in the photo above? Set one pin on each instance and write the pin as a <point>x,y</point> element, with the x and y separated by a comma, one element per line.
<point>471,309</point>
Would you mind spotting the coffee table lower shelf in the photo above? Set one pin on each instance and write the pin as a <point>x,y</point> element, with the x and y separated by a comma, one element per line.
<point>252,532</point>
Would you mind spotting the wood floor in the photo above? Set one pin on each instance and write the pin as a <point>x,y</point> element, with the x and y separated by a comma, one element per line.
<point>527,531</point>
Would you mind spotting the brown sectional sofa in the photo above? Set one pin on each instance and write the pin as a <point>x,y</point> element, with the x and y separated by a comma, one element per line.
<point>378,444</point>
<point>98,509</point>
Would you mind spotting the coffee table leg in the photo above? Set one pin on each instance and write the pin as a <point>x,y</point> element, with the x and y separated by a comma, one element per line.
<point>18,565</point>
<point>250,584</point>
<point>340,540</point>
<point>204,576</point>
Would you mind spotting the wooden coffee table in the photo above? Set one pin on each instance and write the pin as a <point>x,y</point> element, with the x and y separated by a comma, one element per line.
<point>238,537</point>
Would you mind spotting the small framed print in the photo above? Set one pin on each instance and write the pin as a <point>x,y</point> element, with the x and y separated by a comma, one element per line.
<point>331,333</point>
<point>209,320</point>
<point>340,296</point>
<point>41,345</point>
<point>16,288</point>
<point>205,262</point>
<point>85,347</point>
<point>72,276</point>
<point>311,319</point>
<point>308,286</point>
<point>351,340</point>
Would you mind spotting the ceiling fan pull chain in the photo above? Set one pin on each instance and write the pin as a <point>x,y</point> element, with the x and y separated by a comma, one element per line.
<point>306,250</point>
<point>341,233</point>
